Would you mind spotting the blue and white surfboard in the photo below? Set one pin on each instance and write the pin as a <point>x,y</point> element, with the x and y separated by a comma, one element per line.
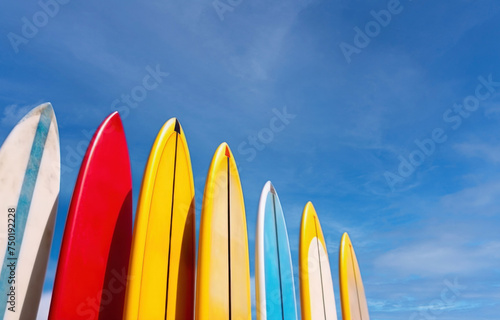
<point>275,288</point>
<point>29,190</point>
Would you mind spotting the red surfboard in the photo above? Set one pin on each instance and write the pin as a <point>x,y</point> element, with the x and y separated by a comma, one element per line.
<point>93,263</point>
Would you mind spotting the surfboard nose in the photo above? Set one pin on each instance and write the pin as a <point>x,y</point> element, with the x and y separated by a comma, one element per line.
<point>271,188</point>
<point>44,108</point>
<point>224,147</point>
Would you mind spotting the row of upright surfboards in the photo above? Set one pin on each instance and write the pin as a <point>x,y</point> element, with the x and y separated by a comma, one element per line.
<point>108,271</point>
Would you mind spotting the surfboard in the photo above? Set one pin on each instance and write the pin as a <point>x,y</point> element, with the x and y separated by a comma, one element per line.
<point>93,263</point>
<point>275,289</point>
<point>29,189</point>
<point>223,281</point>
<point>316,286</point>
<point>352,292</point>
<point>162,263</point>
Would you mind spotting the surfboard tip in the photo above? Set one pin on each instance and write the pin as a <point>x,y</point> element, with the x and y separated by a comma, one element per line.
<point>177,127</point>
<point>45,107</point>
<point>271,188</point>
<point>113,115</point>
<point>345,238</point>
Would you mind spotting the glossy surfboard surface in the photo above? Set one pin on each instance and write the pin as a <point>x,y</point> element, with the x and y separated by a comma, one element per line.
<point>316,286</point>
<point>29,190</point>
<point>275,289</point>
<point>162,261</point>
<point>352,292</point>
<point>93,263</point>
<point>223,281</point>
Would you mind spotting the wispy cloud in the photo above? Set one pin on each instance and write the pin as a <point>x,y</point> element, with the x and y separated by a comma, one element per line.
<point>440,258</point>
<point>480,200</point>
<point>480,150</point>
<point>13,113</point>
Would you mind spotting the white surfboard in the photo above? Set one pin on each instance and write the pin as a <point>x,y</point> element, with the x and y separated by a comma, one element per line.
<point>275,288</point>
<point>29,190</point>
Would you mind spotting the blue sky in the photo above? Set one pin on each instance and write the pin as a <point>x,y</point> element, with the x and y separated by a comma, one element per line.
<point>423,216</point>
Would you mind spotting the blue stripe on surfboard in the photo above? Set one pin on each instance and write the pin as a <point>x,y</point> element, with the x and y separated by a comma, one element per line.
<point>272,287</point>
<point>288,288</point>
<point>24,203</point>
<point>280,302</point>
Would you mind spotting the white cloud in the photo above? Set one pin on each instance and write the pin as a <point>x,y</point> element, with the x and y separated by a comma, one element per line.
<point>13,113</point>
<point>458,237</point>
<point>492,110</point>
<point>480,150</point>
<point>268,39</point>
<point>477,200</point>
<point>439,258</point>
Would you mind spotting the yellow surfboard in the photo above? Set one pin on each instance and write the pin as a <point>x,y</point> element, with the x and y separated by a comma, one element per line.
<point>223,282</point>
<point>316,287</point>
<point>352,293</point>
<point>162,261</point>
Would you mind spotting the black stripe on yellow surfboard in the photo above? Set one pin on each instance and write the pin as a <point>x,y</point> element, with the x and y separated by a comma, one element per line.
<point>273,195</point>
<point>228,155</point>
<point>355,280</point>
<point>147,230</point>
<point>320,268</point>
<point>177,129</point>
